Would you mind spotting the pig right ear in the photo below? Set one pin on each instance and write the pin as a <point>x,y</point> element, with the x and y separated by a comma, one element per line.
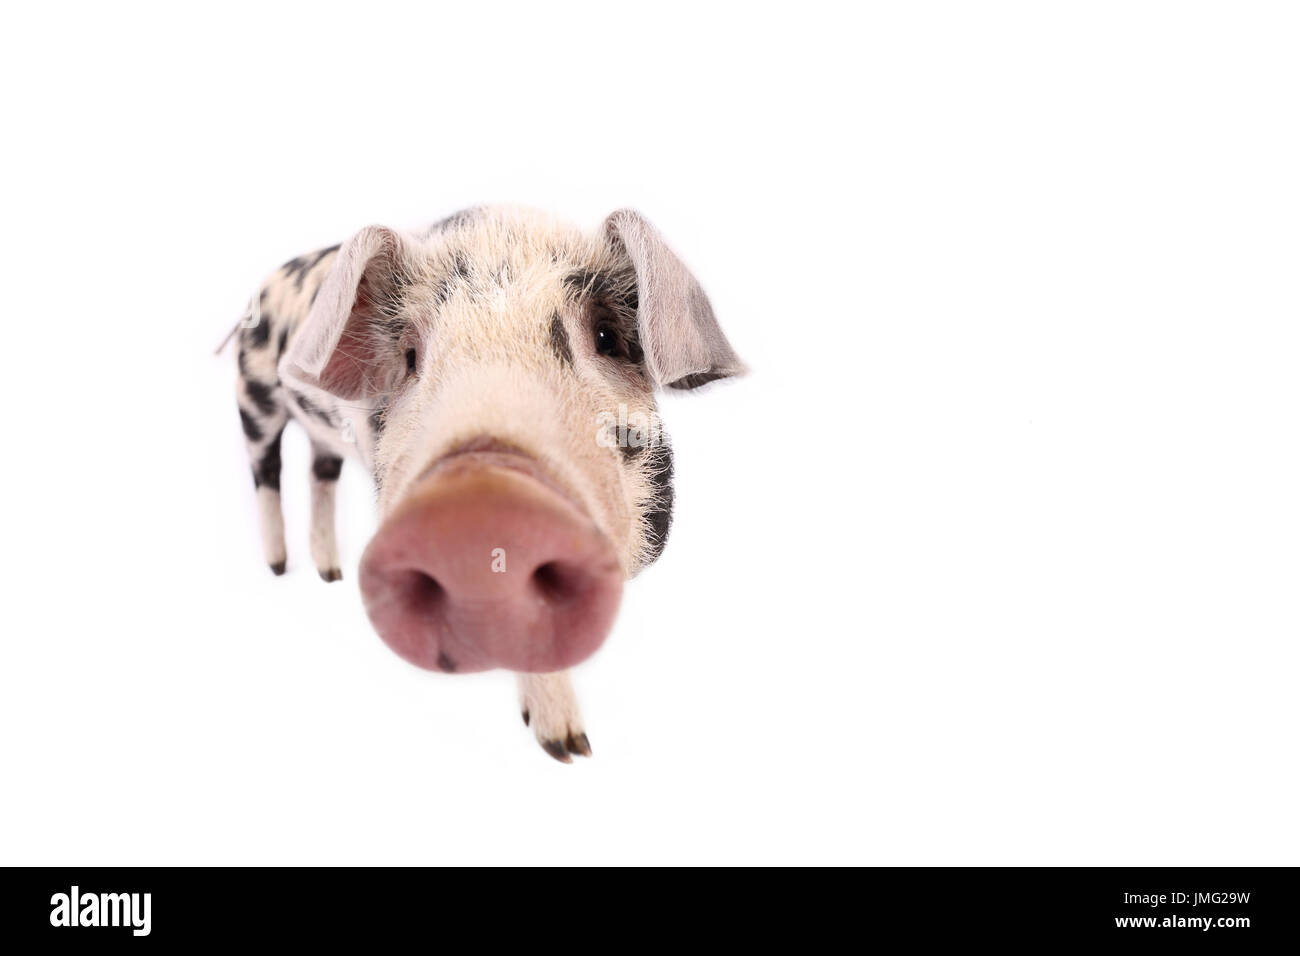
<point>683,343</point>
<point>347,344</point>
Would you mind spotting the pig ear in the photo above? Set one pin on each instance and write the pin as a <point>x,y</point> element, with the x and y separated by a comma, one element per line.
<point>683,344</point>
<point>348,343</point>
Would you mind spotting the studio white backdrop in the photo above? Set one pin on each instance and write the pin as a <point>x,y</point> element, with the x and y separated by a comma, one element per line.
<point>992,559</point>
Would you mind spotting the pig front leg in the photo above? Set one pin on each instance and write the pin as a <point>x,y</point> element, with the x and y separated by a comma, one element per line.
<point>550,707</point>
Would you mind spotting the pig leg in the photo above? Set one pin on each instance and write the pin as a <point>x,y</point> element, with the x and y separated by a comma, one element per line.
<point>550,707</point>
<point>263,419</point>
<point>325,468</point>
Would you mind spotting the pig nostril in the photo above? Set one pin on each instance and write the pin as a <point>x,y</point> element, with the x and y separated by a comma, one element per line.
<point>426,588</point>
<point>419,591</point>
<point>556,583</point>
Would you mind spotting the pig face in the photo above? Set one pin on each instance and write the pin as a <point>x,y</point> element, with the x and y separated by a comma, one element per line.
<point>498,374</point>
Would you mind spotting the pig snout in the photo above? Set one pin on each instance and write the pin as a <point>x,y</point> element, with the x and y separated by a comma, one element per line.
<point>484,564</point>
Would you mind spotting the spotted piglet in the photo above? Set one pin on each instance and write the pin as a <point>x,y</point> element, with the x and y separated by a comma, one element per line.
<point>496,375</point>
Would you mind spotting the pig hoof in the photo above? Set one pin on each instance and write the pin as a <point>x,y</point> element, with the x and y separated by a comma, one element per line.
<point>565,750</point>
<point>277,568</point>
<point>333,574</point>
<point>547,705</point>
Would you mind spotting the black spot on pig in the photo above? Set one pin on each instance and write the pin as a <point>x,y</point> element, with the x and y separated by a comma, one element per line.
<point>256,336</point>
<point>659,515</point>
<point>585,281</point>
<point>460,275</point>
<point>282,341</point>
<point>314,410</point>
<point>266,472</point>
<point>441,290</point>
<point>560,341</point>
<point>630,451</point>
<point>454,221</point>
<point>298,268</point>
<point>445,663</point>
<point>252,430</point>
<point>616,288</point>
<point>261,395</point>
<point>295,269</point>
<point>326,467</point>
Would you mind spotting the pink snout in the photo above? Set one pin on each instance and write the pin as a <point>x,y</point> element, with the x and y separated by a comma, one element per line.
<point>485,565</point>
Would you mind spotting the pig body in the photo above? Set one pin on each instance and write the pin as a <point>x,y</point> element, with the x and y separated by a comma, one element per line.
<point>496,375</point>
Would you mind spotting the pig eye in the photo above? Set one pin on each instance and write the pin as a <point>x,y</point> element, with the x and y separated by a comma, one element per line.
<point>410,361</point>
<point>608,342</point>
<point>615,340</point>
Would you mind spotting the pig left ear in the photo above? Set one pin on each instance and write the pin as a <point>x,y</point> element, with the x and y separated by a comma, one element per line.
<point>683,343</point>
<point>348,343</point>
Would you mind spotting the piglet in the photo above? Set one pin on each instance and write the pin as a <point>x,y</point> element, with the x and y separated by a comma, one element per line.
<point>496,375</point>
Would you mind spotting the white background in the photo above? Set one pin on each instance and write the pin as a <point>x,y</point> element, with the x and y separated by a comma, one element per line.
<point>992,560</point>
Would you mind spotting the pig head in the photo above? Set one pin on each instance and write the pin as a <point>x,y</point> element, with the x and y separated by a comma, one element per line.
<point>496,374</point>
